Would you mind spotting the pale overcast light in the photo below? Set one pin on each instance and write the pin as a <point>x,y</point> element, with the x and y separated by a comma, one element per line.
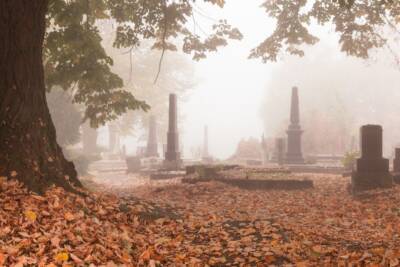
<point>231,88</point>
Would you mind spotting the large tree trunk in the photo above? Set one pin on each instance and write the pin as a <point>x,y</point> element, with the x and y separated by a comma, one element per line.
<point>28,148</point>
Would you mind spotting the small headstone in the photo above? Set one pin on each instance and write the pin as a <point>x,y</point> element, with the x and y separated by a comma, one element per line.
<point>372,170</point>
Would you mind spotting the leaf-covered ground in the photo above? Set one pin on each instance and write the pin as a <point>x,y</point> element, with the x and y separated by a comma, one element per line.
<point>172,224</point>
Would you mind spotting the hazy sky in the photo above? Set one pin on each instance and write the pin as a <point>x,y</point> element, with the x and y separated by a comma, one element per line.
<point>229,95</point>
<point>239,97</point>
<point>233,89</point>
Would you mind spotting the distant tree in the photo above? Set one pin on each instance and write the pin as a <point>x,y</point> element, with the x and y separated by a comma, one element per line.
<point>75,60</point>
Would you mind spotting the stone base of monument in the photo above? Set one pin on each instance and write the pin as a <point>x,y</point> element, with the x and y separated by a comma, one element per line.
<point>362,181</point>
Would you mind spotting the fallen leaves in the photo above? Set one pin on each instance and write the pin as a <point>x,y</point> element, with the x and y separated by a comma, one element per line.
<point>206,223</point>
<point>2,258</point>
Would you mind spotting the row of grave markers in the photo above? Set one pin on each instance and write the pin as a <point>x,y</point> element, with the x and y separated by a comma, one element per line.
<point>372,170</point>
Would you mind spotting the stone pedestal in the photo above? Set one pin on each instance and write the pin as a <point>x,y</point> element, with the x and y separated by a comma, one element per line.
<point>172,156</point>
<point>152,146</point>
<point>294,154</point>
<point>372,170</point>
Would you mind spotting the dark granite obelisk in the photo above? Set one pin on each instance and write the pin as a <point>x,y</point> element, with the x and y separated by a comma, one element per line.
<point>372,169</point>
<point>152,145</point>
<point>172,156</point>
<point>294,132</point>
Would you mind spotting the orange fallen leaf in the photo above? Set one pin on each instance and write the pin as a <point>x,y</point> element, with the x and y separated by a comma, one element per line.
<point>68,216</point>
<point>2,259</point>
<point>31,215</point>
<point>145,255</point>
<point>62,256</point>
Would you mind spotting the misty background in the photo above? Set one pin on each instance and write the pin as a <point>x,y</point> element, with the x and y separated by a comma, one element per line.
<point>239,98</point>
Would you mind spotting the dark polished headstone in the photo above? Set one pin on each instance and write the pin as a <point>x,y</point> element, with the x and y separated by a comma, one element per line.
<point>173,156</point>
<point>372,170</point>
<point>294,154</point>
<point>152,145</point>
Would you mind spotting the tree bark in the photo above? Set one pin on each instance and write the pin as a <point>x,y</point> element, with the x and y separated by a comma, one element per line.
<point>28,148</point>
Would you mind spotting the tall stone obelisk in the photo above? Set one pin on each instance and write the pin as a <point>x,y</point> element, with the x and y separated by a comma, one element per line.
<point>152,145</point>
<point>173,156</point>
<point>294,154</point>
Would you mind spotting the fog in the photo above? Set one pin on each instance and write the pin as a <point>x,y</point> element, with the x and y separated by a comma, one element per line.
<point>238,98</point>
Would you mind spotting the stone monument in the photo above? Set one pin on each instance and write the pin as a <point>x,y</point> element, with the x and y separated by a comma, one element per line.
<point>172,156</point>
<point>294,132</point>
<point>152,145</point>
<point>372,170</point>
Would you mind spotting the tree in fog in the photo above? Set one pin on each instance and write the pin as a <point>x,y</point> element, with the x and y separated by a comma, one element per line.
<point>75,60</point>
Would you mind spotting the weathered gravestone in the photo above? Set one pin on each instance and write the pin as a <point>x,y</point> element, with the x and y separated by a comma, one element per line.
<point>372,170</point>
<point>152,146</point>
<point>294,132</point>
<point>172,156</point>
